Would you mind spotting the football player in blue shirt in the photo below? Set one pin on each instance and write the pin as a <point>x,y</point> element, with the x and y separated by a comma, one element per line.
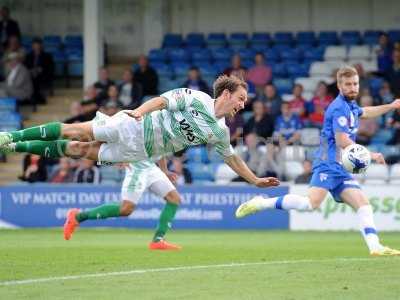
<point>341,122</point>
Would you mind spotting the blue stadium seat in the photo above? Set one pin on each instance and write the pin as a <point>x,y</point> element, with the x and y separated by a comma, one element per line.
<point>157,56</point>
<point>169,84</point>
<point>178,55</point>
<point>279,70</point>
<point>163,70</point>
<point>390,150</point>
<point>221,65</point>
<point>214,158</point>
<point>350,37</point>
<point>216,40</point>
<point>371,37</point>
<point>238,39</point>
<point>52,40</point>
<point>172,40</point>
<point>290,55</point>
<point>283,85</point>
<point>313,54</point>
<point>259,48</point>
<point>260,39</point>
<point>195,40</point>
<point>375,84</point>
<point>248,63</point>
<point>271,55</point>
<point>208,70</point>
<point>283,38</point>
<point>201,56</point>
<point>180,69</point>
<point>246,53</point>
<point>73,41</point>
<point>8,105</point>
<point>197,154</point>
<point>201,172</point>
<point>306,38</point>
<point>59,63</point>
<point>297,70</point>
<point>394,35</point>
<point>328,38</point>
<point>221,54</point>
<point>10,121</point>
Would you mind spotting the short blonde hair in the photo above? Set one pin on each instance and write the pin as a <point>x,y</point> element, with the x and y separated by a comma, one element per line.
<point>345,71</point>
<point>230,83</point>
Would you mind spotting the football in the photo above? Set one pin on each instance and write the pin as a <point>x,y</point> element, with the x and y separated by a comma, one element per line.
<point>356,158</point>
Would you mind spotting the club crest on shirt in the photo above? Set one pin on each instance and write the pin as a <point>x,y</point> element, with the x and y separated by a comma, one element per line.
<point>342,121</point>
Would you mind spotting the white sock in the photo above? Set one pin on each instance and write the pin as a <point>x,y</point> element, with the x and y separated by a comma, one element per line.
<point>286,202</point>
<point>367,227</point>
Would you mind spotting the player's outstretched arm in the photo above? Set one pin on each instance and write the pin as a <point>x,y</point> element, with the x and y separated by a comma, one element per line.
<point>157,103</point>
<point>376,111</point>
<point>240,167</point>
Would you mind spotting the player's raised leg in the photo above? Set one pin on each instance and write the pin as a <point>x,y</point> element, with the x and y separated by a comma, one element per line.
<point>287,202</point>
<point>357,199</point>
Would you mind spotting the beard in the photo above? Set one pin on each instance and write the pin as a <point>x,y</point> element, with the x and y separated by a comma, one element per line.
<point>351,96</point>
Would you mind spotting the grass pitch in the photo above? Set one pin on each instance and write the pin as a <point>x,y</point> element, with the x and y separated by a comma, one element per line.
<point>116,264</point>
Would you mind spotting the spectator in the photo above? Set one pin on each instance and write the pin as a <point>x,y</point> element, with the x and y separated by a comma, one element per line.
<point>183,173</point>
<point>87,172</point>
<point>235,124</point>
<point>287,126</point>
<point>41,66</point>
<point>261,123</point>
<point>260,74</point>
<point>236,67</point>
<point>298,104</point>
<point>103,84</point>
<point>363,77</point>
<point>112,96</point>
<point>110,108</point>
<point>88,107</point>
<point>393,73</point>
<point>130,92</point>
<point>305,177</point>
<point>18,83</point>
<point>34,169</point>
<point>272,100</point>
<point>63,173</point>
<point>394,123</point>
<point>195,82</point>
<point>385,95</point>
<point>319,104</point>
<point>14,45</point>
<point>367,127</point>
<point>384,53</point>
<point>8,26</point>
<point>147,77</point>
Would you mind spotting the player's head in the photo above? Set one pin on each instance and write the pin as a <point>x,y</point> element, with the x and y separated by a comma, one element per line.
<point>348,82</point>
<point>232,91</point>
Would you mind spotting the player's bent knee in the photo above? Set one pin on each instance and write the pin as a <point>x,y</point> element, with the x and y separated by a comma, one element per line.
<point>78,131</point>
<point>127,208</point>
<point>173,197</point>
<point>77,149</point>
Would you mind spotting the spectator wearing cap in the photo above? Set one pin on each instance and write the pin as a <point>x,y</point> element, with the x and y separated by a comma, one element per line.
<point>103,84</point>
<point>18,83</point>
<point>146,76</point>
<point>130,92</point>
<point>195,82</point>
<point>41,66</point>
<point>88,107</point>
<point>8,26</point>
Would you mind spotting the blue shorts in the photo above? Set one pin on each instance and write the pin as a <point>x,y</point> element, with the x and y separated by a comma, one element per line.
<point>334,178</point>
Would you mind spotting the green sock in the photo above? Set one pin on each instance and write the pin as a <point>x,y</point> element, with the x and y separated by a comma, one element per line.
<point>101,212</point>
<point>164,223</point>
<point>46,132</point>
<point>49,149</point>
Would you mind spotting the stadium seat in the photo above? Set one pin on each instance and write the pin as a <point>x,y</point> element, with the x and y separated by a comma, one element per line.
<point>163,70</point>
<point>327,38</point>
<point>296,153</point>
<point>371,37</point>
<point>394,35</point>
<point>216,40</point>
<point>238,39</point>
<point>310,137</point>
<point>169,84</point>
<point>271,55</point>
<point>388,151</point>
<point>350,37</point>
<point>178,55</point>
<point>260,39</point>
<point>309,83</point>
<point>201,171</point>
<point>375,84</point>
<point>201,56</point>
<point>335,53</point>
<point>224,174</point>
<point>395,174</point>
<point>246,53</point>
<point>158,56</point>
<point>283,85</point>
<point>306,38</point>
<point>283,37</point>
<point>320,69</point>
<point>172,40</point>
<point>197,154</point>
<point>359,52</point>
<point>313,54</point>
<point>10,121</point>
<point>279,70</point>
<point>221,54</point>
<point>382,136</point>
<point>295,70</point>
<point>180,69</point>
<point>8,105</point>
<point>214,157</point>
<point>290,55</point>
<point>293,169</point>
<point>377,173</point>
<point>195,40</point>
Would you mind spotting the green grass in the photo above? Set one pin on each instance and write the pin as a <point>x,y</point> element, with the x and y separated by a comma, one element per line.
<point>319,272</point>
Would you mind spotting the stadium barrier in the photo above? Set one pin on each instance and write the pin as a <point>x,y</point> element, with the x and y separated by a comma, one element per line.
<point>203,207</point>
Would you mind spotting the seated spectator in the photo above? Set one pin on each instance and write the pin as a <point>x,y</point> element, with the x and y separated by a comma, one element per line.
<point>88,107</point>
<point>260,74</point>
<point>236,67</point>
<point>385,94</point>
<point>34,169</point>
<point>235,124</point>
<point>112,96</point>
<point>367,127</point>
<point>261,123</point>
<point>184,175</point>
<point>195,82</point>
<point>319,104</point>
<point>272,100</point>
<point>103,84</point>
<point>63,173</point>
<point>393,122</point>
<point>110,108</point>
<point>87,172</point>
<point>18,83</point>
<point>298,104</point>
<point>14,45</point>
<point>147,77</point>
<point>8,26</point>
<point>41,66</point>
<point>305,177</point>
<point>384,51</point>
<point>287,126</point>
<point>130,92</point>
<point>392,74</point>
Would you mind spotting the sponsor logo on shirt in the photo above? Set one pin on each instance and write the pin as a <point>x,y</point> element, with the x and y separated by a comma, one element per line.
<point>188,131</point>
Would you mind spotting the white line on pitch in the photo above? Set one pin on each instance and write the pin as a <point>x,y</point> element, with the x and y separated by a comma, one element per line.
<point>183,268</point>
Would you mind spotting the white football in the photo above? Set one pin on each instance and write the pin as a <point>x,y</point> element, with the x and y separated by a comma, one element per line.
<point>356,158</point>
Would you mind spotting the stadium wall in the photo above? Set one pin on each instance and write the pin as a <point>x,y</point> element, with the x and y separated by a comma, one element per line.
<point>132,27</point>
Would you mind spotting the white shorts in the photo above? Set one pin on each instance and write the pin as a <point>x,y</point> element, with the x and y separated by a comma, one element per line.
<point>123,137</point>
<point>137,180</point>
